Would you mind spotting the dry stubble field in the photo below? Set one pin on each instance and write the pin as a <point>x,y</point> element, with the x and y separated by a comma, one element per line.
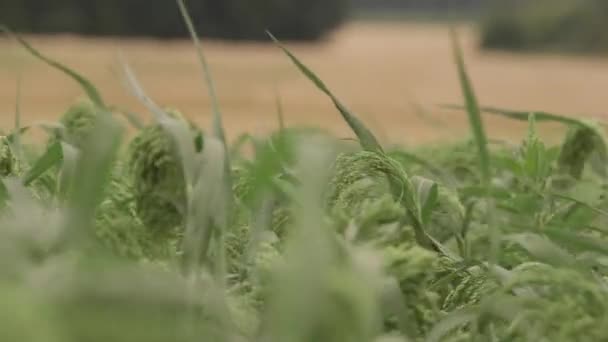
<point>393,75</point>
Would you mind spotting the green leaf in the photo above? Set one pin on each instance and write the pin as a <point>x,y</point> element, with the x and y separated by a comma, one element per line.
<point>52,157</point>
<point>15,136</point>
<point>535,159</point>
<point>86,85</point>
<point>427,195</point>
<point>582,203</point>
<point>91,173</point>
<point>366,138</point>
<point>70,156</point>
<point>577,241</point>
<point>542,248</point>
<point>268,163</point>
<point>473,110</point>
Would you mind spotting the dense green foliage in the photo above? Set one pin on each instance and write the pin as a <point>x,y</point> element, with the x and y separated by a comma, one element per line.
<point>548,25</point>
<point>314,239</point>
<point>230,19</point>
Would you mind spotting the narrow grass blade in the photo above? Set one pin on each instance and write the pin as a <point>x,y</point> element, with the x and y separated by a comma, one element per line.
<point>86,85</point>
<point>133,85</point>
<point>427,194</point>
<point>17,132</point>
<point>473,110</point>
<point>218,126</point>
<point>207,212</point>
<point>280,113</point>
<point>52,157</point>
<point>543,249</point>
<point>577,241</point>
<point>522,115</point>
<point>581,203</point>
<point>177,129</point>
<point>366,138</point>
<point>70,156</point>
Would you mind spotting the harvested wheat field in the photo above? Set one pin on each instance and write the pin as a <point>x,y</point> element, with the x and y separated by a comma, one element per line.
<point>393,75</point>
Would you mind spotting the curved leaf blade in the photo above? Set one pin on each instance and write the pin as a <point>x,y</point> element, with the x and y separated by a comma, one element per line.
<point>366,138</point>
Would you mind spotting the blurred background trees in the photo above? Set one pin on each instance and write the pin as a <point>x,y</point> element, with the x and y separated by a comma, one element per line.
<point>548,25</point>
<point>227,19</point>
<point>558,25</point>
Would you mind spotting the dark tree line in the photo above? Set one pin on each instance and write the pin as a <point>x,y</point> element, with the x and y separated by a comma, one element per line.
<point>228,19</point>
<point>432,5</point>
<point>573,26</point>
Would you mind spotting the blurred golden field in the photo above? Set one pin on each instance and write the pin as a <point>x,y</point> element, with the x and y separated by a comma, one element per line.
<point>394,75</point>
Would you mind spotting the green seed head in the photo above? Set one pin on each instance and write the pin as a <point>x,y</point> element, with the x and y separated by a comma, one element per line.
<point>358,178</point>
<point>9,164</point>
<point>576,150</point>
<point>157,177</point>
<point>79,122</point>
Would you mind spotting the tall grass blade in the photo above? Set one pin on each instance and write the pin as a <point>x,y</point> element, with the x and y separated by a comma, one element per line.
<point>522,115</point>
<point>472,106</point>
<point>366,138</point>
<point>17,132</point>
<point>581,203</point>
<point>207,212</point>
<point>177,129</point>
<point>86,85</point>
<point>70,156</point>
<point>280,112</point>
<point>218,126</point>
<point>577,241</point>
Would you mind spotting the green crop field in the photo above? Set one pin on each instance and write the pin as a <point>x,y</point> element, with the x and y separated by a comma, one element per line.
<point>178,233</point>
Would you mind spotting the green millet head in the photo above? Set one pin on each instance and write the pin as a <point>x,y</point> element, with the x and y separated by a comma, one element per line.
<point>362,190</point>
<point>567,305</point>
<point>79,122</point>
<point>9,164</point>
<point>157,177</point>
<point>469,291</point>
<point>580,143</point>
<point>414,269</point>
<point>357,177</point>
